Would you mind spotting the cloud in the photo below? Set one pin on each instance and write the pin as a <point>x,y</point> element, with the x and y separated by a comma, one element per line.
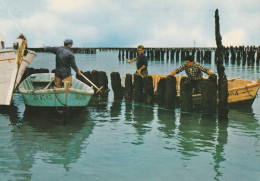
<point>234,37</point>
<point>129,23</point>
<point>70,6</point>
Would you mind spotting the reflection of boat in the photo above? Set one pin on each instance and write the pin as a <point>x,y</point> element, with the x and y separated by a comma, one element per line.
<point>13,64</point>
<point>240,91</point>
<point>37,91</point>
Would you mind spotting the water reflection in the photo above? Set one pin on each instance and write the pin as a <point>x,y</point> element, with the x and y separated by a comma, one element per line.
<point>142,118</point>
<point>219,155</point>
<point>166,119</point>
<point>115,110</point>
<point>244,118</point>
<point>42,139</point>
<point>188,134</point>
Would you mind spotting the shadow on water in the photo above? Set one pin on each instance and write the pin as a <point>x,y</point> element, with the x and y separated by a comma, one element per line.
<point>41,139</point>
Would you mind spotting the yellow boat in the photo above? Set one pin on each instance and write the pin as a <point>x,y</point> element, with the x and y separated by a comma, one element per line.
<point>241,92</point>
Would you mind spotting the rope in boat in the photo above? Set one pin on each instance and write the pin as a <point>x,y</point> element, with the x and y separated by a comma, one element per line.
<point>59,111</point>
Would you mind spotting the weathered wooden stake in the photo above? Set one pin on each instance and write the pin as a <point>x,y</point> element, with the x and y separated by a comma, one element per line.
<point>161,91</point>
<point>103,82</point>
<point>222,81</point>
<point>138,88</point>
<point>170,91</point>
<point>116,85</point>
<point>128,87</point>
<point>94,79</point>
<point>209,95</point>
<point>148,89</point>
<point>186,95</point>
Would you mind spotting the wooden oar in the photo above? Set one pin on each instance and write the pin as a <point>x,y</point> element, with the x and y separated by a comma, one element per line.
<point>134,67</point>
<point>98,89</point>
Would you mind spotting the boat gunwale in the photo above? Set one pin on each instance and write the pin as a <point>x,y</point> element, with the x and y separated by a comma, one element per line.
<point>254,84</point>
<point>51,91</point>
<point>14,50</point>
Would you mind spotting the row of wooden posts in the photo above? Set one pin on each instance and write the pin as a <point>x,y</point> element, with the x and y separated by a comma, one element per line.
<point>249,55</point>
<point>140,89</point>
<point>246,55</point>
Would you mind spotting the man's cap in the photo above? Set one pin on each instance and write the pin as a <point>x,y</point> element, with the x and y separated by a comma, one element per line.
<point>189,58</point>
<point>68,41</point>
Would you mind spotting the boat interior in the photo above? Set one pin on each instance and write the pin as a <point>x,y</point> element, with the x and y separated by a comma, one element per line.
<point>45,81</point>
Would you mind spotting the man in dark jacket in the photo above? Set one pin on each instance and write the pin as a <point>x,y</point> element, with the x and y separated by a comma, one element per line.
<point>142,61</point>
<point>65,60</point>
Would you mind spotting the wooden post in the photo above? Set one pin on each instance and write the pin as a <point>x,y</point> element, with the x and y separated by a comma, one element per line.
<point>94,79</point>
<point>116,85</point>
<point>222,81</point>
<point>161,92</point>
<point>148,89</point>
<point>103,82</point>
<point>88,75</point>
<point>186,94</point>
<point>138,88</point>
<point>209,95</point>
<point>170,91</point>
<point>128,87</point>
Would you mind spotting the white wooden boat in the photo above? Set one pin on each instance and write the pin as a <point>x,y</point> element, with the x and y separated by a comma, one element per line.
<point>240,92</point>
<point>13,64</point>
<point>37,91</point>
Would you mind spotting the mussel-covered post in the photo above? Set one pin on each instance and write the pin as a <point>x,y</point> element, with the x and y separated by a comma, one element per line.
<point>128,87</point>
<point>170,91</point>
<point>186,95</point>
<point>148,89</point>
<point>138,88</point>
<point>209,94</point>
<point>94,79</point>
<point>103,82</point>
<point>161,92</point>
<point>116,85</point>
<point>222,78</point>
<point>86,74</point>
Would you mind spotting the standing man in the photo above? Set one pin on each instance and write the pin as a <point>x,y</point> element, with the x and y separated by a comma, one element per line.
<point>65,60</point>
<point>142,61</point>
<point>193,70</point>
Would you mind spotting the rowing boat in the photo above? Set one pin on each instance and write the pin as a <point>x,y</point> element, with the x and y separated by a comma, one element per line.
<point>37,91</point>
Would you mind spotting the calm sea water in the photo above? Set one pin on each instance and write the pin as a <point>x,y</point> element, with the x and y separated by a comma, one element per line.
<point>113,140</point>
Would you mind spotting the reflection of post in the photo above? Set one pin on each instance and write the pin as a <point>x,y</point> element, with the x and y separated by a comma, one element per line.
<point>142,118</point>
<point>115,110</point>
<point>167,120</point>
<point>219,148</point>
<point>189,123</point>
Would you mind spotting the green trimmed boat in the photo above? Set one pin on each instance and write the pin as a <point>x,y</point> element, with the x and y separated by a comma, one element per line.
<point>37,91</point>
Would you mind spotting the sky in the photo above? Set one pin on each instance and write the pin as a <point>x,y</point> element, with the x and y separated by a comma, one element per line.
<point>128,23</point>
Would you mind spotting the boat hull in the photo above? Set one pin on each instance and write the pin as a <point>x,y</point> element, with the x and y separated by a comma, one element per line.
<point>38,92</point>
<point>10,74</point>
<point>240,92</point>
<point>56,99</point>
